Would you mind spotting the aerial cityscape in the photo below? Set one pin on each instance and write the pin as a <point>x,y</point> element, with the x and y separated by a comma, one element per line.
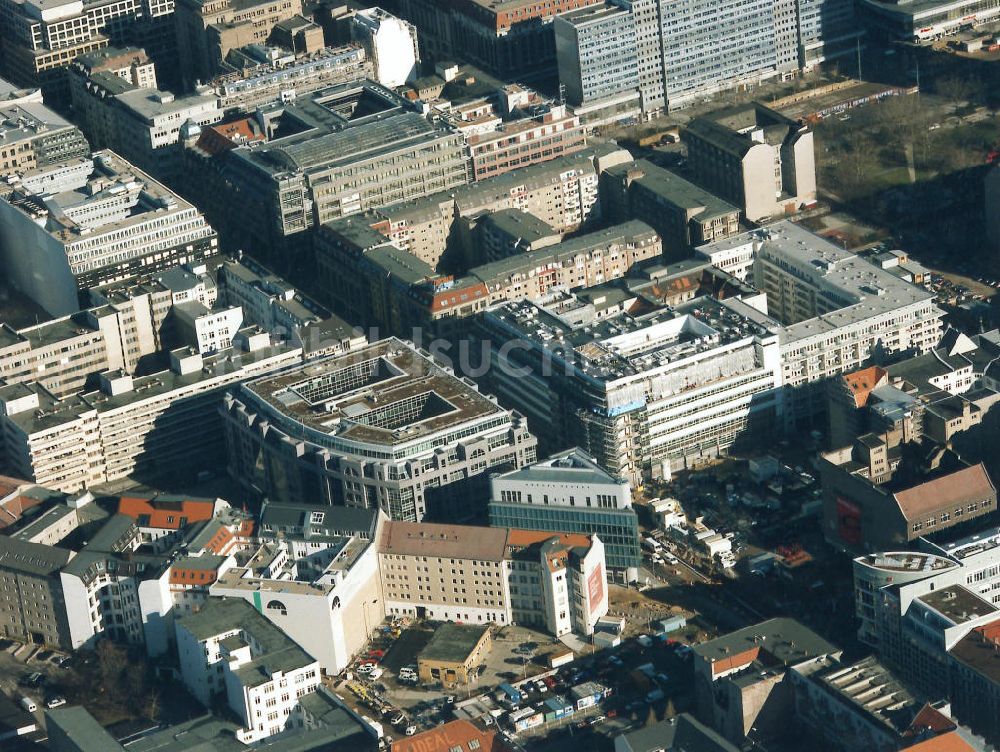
<point>499,376</point>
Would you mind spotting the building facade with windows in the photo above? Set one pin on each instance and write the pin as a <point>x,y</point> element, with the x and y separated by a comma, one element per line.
<point>643,393</point>
<point>569,492</point>
<point>147,424</point>
<point>381,427</point>
<point>91,221</point>
<point>228,650</point>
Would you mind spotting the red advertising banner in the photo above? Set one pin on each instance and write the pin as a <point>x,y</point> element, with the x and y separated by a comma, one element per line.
<point>595,587</point>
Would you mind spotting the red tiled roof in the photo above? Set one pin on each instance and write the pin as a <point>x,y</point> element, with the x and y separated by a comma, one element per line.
<point>862,382</point>
<point>950,742</point>
<point>166,514</point>
<point>449,736</point>
<point>722,665</point>
<point>955,489</point>
<point>183,576</point>
<point>216,139</point>
<point>929,718</point>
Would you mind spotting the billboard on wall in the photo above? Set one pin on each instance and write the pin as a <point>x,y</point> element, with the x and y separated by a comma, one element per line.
<point>595,587</point>
<point>848,521</point>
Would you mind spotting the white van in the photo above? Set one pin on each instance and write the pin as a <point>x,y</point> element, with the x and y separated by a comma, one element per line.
<point>28,704</point>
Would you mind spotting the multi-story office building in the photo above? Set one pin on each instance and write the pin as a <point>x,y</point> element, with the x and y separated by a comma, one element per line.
<point>395,291</point>
<point>643,393</point>
<point>40,39</point>
<point>91,221</point>
<point>267,74</point>
<point>33,137</point>
<point>271,303</point>
<point>570,493</point>
<point>648,55</point>
<point>682,213</point>
<point>712,46</point>
<point>351,148</point>
<point>32,597</point>
<point>596,55</point>
<point>149,424</point>
<point>380,427</point>
<point>512,40</point>
<point>880,495</point>
<point>755,158</point>
<point>208,29</point>
<point>479,575</point>
<point>837,312</point>
<point>228,649</point>
<point>145,125</point>
<point>910,21</point>
<point>62,355</point>
<point>526,130</point>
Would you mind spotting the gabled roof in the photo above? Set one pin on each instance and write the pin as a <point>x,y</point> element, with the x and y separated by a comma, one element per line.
<point>166,512</point>
<point>444,541</point>
<point>957,488</point>
<point>861,383</point>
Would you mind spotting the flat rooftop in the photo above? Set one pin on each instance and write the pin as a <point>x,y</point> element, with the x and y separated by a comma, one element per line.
<point>28,120</point>
<point>385,393</point>
<point>862,290</point>
<point>910,562</point>
<point>873,690</point>
<point>625,344</point>
<point>784,640</point>
<point>676,190</point>
<point>958,604</point>
<point>114,196</point>
<point>53,411</point>
<point>452,643</point>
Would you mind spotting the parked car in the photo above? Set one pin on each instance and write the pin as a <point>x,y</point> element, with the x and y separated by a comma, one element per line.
<point>375,673</point>
<point>410,730</point>
<point>366,668</point>
<point>32,680</point>
<point>54,701</point>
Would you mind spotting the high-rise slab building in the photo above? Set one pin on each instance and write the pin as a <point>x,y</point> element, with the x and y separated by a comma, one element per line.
<point>93,220</point>
<point>680,53</point>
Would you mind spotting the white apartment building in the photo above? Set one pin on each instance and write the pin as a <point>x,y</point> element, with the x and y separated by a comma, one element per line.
<point>229,649</point>
<point>106,221</point>
<point>208,330</point>
<point>329,601</point>
<point>154,423</point>
<point>558,582</point>
<point>643,394</point>
<point>836,311</point>
<point>273,304</point>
